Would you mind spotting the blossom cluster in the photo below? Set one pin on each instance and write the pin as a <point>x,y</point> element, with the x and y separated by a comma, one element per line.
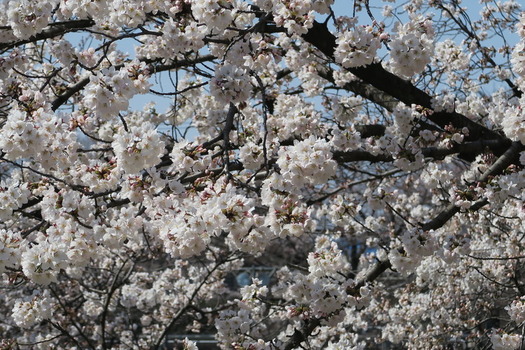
<point>505,341</point>
<point>178,37</point>
<point>296,16</point>
<point>411,47</point>
<point>38,134</point>
<point>357,46</point>
<point>230,84</point>
<point>274,142</point>
<point>512,123</point>
<point>9,249</point>
<point>138,148</point>
<point>32,311</point>
<point>416,245</point>
<point>243,327</point>
<point>29,17</point>
<point>109,92</point>
<point>518,56</point>
<point>306,162</point>
<point>322,293</point>
<point>516,311</point>
<point>218,209</point>
<point>451,56</point>
<point>293,117</point>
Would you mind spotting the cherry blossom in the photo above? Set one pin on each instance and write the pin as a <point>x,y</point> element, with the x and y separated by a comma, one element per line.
<point>268,174</point>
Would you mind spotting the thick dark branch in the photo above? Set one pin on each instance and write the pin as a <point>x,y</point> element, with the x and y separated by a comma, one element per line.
<point>371,275</point>
<point>301,335</point>
<point>403,90</point>
<point>370,130</point>
<point>30,230</point>
<point>180,63</point>
<point>508,158</point>
<point>365,90</point>
<point>356,156</point>
<point>511,156</point>
<point>467,149</point>
<point>54,29</point>
<point>60,100</point>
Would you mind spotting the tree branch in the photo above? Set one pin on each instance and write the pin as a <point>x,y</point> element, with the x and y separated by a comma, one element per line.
<point>403,90</point>
<point>54,29</point>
